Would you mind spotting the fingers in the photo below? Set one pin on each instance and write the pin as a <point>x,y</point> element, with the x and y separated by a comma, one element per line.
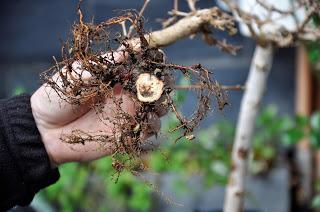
<point>117,56</point>
<point>103,119</point>
<point>93,124</point>
<point>49,105</point>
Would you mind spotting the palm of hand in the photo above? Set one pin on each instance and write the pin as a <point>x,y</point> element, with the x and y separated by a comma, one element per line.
<point>55,117</point>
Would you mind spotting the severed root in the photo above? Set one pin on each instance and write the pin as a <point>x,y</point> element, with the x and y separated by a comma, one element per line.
<point>149,88</point>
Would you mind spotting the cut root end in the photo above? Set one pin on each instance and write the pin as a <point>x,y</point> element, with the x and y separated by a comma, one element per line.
<point>149,88</point>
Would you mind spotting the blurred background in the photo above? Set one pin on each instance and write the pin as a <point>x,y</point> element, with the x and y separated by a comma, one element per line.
<point>191,174</point>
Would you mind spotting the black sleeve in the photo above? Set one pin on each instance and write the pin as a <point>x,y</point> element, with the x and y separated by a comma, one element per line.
<point>24,163</point>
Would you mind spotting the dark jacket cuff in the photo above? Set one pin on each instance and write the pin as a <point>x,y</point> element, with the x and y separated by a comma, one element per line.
<point>26,148</point>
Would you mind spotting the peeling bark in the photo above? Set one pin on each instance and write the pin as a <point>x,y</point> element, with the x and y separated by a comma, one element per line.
<point>250,105</point>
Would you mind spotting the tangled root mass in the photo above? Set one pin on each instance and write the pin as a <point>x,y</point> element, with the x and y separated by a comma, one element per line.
<point>90,69</point>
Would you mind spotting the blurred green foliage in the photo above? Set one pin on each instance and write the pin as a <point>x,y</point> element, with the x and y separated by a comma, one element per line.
<point>18,90</point>
<point>93,187</point>
<point>313,51</point>
<point>316,202</point>
<point>316,199</point>
<point>314,46</point>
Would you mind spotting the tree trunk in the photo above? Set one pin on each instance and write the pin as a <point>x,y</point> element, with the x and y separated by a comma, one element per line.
<point>303,107</point>
<point>250,105</point>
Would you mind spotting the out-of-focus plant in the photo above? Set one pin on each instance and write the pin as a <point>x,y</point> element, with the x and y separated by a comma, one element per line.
<point>18,90</point>
<point>265,142</point>
<point>314,52</point>
<point>208,154</point>
<point>315,141</point>
<point>314,47</point>
<point>94,186</point>
<point>316,199</point>
<point>315,130</point>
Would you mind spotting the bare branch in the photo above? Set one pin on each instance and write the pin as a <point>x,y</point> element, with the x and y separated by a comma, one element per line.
<point>178,13</point>
<point>124,28</point>
<point>175,5</point>
<point>192,5</point>
<point>255,87</point>
<point>274,9</point>
<point>187,26</point>
<point>223,87</point>
<point>146,2</point>
<point>282,37</point>
<point>143,8</point>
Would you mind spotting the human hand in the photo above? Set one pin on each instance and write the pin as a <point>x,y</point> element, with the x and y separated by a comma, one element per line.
<point>55,117</point>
